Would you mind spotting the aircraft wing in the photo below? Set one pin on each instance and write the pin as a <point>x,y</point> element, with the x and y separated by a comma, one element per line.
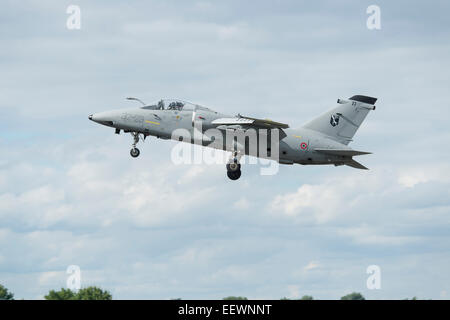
<point>247,122</point>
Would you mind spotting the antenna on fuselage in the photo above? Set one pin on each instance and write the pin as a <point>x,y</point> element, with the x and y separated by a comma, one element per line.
<point>136,99</point>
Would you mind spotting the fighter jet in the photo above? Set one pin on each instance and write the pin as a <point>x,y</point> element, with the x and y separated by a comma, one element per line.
<point>322,141</point>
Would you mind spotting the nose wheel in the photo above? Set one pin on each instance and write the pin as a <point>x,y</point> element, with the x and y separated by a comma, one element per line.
<point>134,152</point>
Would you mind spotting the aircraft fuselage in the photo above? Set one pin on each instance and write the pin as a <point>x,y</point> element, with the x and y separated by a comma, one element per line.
<point>295,145</point>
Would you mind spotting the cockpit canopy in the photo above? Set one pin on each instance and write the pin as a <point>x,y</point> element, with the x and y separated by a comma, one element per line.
<point>173,104</point>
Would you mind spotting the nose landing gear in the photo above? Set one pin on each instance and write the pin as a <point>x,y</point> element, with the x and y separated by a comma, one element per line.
<point>134,152</point>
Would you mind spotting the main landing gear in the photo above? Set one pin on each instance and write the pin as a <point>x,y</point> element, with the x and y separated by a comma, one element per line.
<point>234,167</point>
<point>134,152</point>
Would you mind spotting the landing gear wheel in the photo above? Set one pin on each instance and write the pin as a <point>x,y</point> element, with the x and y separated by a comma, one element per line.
<point>234,170</point>
<point>135,152</point>
<point>233,167</point>
<point>234,175</point>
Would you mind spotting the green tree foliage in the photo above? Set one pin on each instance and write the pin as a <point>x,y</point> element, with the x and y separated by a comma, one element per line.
<point>353,296</point>
<point>5,294</point>
<point>93,293</point>
<point>235,298</point>
<point>63,294</point>
<point>89,293</point>
<point>305,297</point>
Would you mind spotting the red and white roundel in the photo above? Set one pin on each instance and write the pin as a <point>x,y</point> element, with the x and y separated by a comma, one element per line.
<point>303,145</point>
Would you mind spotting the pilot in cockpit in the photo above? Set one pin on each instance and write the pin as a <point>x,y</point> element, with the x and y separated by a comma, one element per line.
<point>176,105</point>
<point>160,105</point>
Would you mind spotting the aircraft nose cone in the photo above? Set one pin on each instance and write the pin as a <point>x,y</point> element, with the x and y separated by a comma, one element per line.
<point>105,118</point>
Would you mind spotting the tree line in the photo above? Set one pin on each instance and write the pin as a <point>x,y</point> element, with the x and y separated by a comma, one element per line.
<point>96,293</point>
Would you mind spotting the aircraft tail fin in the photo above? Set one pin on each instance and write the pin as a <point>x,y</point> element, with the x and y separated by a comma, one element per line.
<point>342,122</point>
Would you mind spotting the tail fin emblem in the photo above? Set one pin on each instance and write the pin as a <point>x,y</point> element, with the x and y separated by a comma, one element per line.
<point>334,120</point>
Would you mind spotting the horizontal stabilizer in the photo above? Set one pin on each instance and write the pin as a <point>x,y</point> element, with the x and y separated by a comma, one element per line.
<point>355,164</point>
<point>364,99</point>
<point>342,152</point>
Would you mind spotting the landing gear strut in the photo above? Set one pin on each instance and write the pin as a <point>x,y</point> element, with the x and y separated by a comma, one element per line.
<point>134,152</point>
<point>234,167</point>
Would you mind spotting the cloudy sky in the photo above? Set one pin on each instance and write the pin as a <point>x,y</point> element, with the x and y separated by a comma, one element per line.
<point>70,194</point>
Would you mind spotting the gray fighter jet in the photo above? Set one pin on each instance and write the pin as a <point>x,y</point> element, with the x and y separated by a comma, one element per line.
<point>323,140</point>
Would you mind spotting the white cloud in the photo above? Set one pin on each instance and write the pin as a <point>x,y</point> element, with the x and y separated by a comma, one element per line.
<point>50,277</point>
<point>409,177</point>
<point>318,202</point>
<point>294,291</point>
<point>242,204</point>
<point>357,204</point>
<point>329,200</point>
<point>373,236</point>
<point>311,265</point>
